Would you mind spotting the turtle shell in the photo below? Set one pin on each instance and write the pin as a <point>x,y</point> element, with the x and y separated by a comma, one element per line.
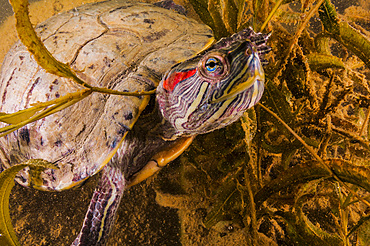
<point>122,45</point>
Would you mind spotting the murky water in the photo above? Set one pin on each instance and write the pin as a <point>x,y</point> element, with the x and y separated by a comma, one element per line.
<point>5,10</point>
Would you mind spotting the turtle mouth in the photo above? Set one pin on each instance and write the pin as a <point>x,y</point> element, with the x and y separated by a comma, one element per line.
<point>250,72</point>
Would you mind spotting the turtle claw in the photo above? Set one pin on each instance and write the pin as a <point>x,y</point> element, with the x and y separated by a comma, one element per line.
<point>160,160</point>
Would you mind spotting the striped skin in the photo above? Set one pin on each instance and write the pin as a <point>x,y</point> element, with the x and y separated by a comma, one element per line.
<point>101,212</point>
<point>203,100</point>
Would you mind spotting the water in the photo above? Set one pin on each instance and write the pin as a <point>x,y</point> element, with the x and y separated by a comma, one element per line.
<point>5,10</point>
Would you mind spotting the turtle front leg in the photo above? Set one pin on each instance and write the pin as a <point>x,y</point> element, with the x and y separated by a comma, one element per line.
<point>103,207</point>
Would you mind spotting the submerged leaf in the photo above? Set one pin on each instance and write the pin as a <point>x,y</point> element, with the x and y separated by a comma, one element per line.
<point>201,7</point>
<point>227,196</point>
<point>319,62</point>
<point>312,234</point>
<point>19,116</point>
<point>276,100</point>
<point>7,234</point>
<point>39,111</point>
<point>220,28</point>
<point>329,18</point>
<point>313,170</point>
<point>229,15</point>
<point>364,233</point>
<point>306,233</point>
<point>288,17</point>
<point>351,38</point>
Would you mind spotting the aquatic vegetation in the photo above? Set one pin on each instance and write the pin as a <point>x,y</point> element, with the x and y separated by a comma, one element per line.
<point>8,236</point>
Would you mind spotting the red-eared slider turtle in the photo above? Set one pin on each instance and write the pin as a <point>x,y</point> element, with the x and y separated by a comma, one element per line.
<point>125,46</point>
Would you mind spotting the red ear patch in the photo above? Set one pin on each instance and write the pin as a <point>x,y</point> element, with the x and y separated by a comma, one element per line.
<point>174,78</point>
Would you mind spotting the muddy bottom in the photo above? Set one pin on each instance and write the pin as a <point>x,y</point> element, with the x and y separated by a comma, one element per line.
<point>51,218</point>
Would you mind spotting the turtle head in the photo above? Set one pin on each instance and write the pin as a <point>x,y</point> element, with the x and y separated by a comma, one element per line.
<point>214,88</point>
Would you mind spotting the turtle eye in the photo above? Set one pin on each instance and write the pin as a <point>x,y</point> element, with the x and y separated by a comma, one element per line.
<point>212,64</point>
<point>213,67</point>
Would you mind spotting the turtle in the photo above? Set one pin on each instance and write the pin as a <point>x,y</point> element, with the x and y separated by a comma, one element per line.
<point>201,85</point>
